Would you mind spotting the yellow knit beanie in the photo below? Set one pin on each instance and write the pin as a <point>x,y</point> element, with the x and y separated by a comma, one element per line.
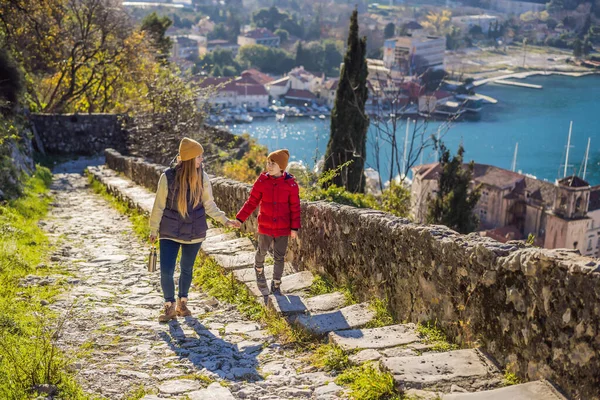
<point>281,157</point>
<point>189,148</point>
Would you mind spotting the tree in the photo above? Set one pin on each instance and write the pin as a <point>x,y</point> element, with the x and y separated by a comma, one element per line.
<point>454,201</point>
<point>156,28</point>
<point>283,35</point>
<point>300,57</point>
<point>389,31</point>
<point>266,59</point>
<point>577,48</point>
<point>11,82</point>
<point>438,22</point>
<point>586,47</point>
<point>349,123</point>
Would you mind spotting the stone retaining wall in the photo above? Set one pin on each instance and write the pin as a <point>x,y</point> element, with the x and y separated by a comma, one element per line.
<point>82,134</point>
<point>536,311</point>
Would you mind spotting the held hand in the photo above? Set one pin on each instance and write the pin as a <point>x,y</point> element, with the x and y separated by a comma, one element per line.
<point>152,238</point>
<point>234,223</point>
<point>294,234</point>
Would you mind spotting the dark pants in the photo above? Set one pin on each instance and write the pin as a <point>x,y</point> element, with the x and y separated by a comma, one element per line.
<point>279,248</point>
<point>168,257</point>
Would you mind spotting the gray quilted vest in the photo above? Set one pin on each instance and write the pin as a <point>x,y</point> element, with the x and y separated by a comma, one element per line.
<point>172,225</point>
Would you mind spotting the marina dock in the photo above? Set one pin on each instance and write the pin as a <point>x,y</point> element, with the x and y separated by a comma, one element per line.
<point>520,84</point>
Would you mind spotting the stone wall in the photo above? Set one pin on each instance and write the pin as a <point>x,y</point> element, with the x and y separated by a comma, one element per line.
<point>537,311</point>
<point>82,134</point>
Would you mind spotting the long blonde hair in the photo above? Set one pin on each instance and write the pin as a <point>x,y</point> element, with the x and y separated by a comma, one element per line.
<point>188,175</point>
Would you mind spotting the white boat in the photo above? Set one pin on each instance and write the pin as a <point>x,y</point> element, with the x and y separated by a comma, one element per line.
<point>313,117</point>
<point>470,103</point>
<point>321,116</point>
<point>279,117</point>
<point>243,118</point>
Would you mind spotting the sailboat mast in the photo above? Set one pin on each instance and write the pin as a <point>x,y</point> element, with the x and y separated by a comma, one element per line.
<point>587,153</point>
<point>514,163</point>
<point>568,146</point>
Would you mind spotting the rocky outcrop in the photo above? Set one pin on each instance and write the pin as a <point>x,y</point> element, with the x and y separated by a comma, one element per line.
<point>535,310</point>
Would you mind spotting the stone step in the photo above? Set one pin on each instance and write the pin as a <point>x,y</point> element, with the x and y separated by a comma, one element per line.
<point>289,284</point>
<point>228,247</point>
<point>240,260</point>
<point>214,391</point>
<point>468,368</point>
<point>248,274</point>
<point>218,235</point>
<point>293,304</point>
<point>124,188</point>
<point>538,390</point>
<point>375,338</point>
<point>351,317</point>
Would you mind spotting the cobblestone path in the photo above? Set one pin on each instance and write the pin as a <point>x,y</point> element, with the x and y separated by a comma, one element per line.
<point>112,304</point>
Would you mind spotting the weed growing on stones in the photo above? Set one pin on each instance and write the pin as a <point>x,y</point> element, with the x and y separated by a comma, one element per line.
<point>510,378</point>
<point>217,282</point>
<point>382,314</point>
<point>321,285</point>
<point>330,357</point>
<point>435,336</point>
<point>368,382</point>
<point>138,393</point>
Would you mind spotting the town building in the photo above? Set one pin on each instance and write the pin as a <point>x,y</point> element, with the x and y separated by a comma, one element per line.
<point>516,7</point>
<point>212,45</point>
<point>467,22</point>
<point>261,36</point>
<point>328,90</point>
<point>414,54</point>
<point>184,47</point>
<point>512,206</point>
<point>298,87</point>
<point>242,91</point>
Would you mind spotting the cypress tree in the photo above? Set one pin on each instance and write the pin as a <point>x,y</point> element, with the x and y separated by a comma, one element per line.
<point>454,201</point>
<point>349,123</point>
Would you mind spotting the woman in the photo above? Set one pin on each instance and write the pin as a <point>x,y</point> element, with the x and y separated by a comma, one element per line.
<point>183,199</point>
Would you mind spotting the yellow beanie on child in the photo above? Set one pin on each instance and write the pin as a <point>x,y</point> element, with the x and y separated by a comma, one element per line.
<point>189,148</point>
<point>281,157</point>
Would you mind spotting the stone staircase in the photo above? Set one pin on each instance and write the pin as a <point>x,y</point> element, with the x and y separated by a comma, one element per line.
<point>466,374</point>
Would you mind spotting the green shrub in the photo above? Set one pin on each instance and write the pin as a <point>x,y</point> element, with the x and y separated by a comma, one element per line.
<point>434,335</point>
<point>367,382</point>
<point>330,357</point>
<point>382,314</point>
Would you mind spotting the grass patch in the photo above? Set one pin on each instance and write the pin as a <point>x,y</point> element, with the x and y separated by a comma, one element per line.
<point>368,382</point>
<point>382,314</point>
<point>321,285</point>
<point>434,335</point>
<point>217,282</point>
<point>510,378</point>
<point>138,393</point>
<point>28,356</point>
<point>330,357</point>
<point>137,218</point>
<point>203,379</point>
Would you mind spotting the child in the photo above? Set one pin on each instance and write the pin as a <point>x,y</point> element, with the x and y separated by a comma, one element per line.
<point>276,191</point>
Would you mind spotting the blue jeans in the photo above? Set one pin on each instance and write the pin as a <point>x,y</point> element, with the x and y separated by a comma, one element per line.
<point>168,257</point>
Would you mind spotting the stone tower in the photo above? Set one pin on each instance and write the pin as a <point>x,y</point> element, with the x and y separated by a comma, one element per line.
<point>567,224</point>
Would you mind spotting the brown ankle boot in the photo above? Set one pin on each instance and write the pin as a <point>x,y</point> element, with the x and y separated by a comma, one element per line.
<point>182,309</point>
<point>169,313</point>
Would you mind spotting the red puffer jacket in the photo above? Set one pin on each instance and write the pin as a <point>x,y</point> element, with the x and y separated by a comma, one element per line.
<point>279,202</point>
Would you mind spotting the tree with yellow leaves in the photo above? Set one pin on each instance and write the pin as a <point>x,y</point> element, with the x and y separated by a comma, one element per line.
<point>438,22</point>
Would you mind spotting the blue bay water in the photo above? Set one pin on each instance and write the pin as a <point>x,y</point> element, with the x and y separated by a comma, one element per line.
<point>537,119</point>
